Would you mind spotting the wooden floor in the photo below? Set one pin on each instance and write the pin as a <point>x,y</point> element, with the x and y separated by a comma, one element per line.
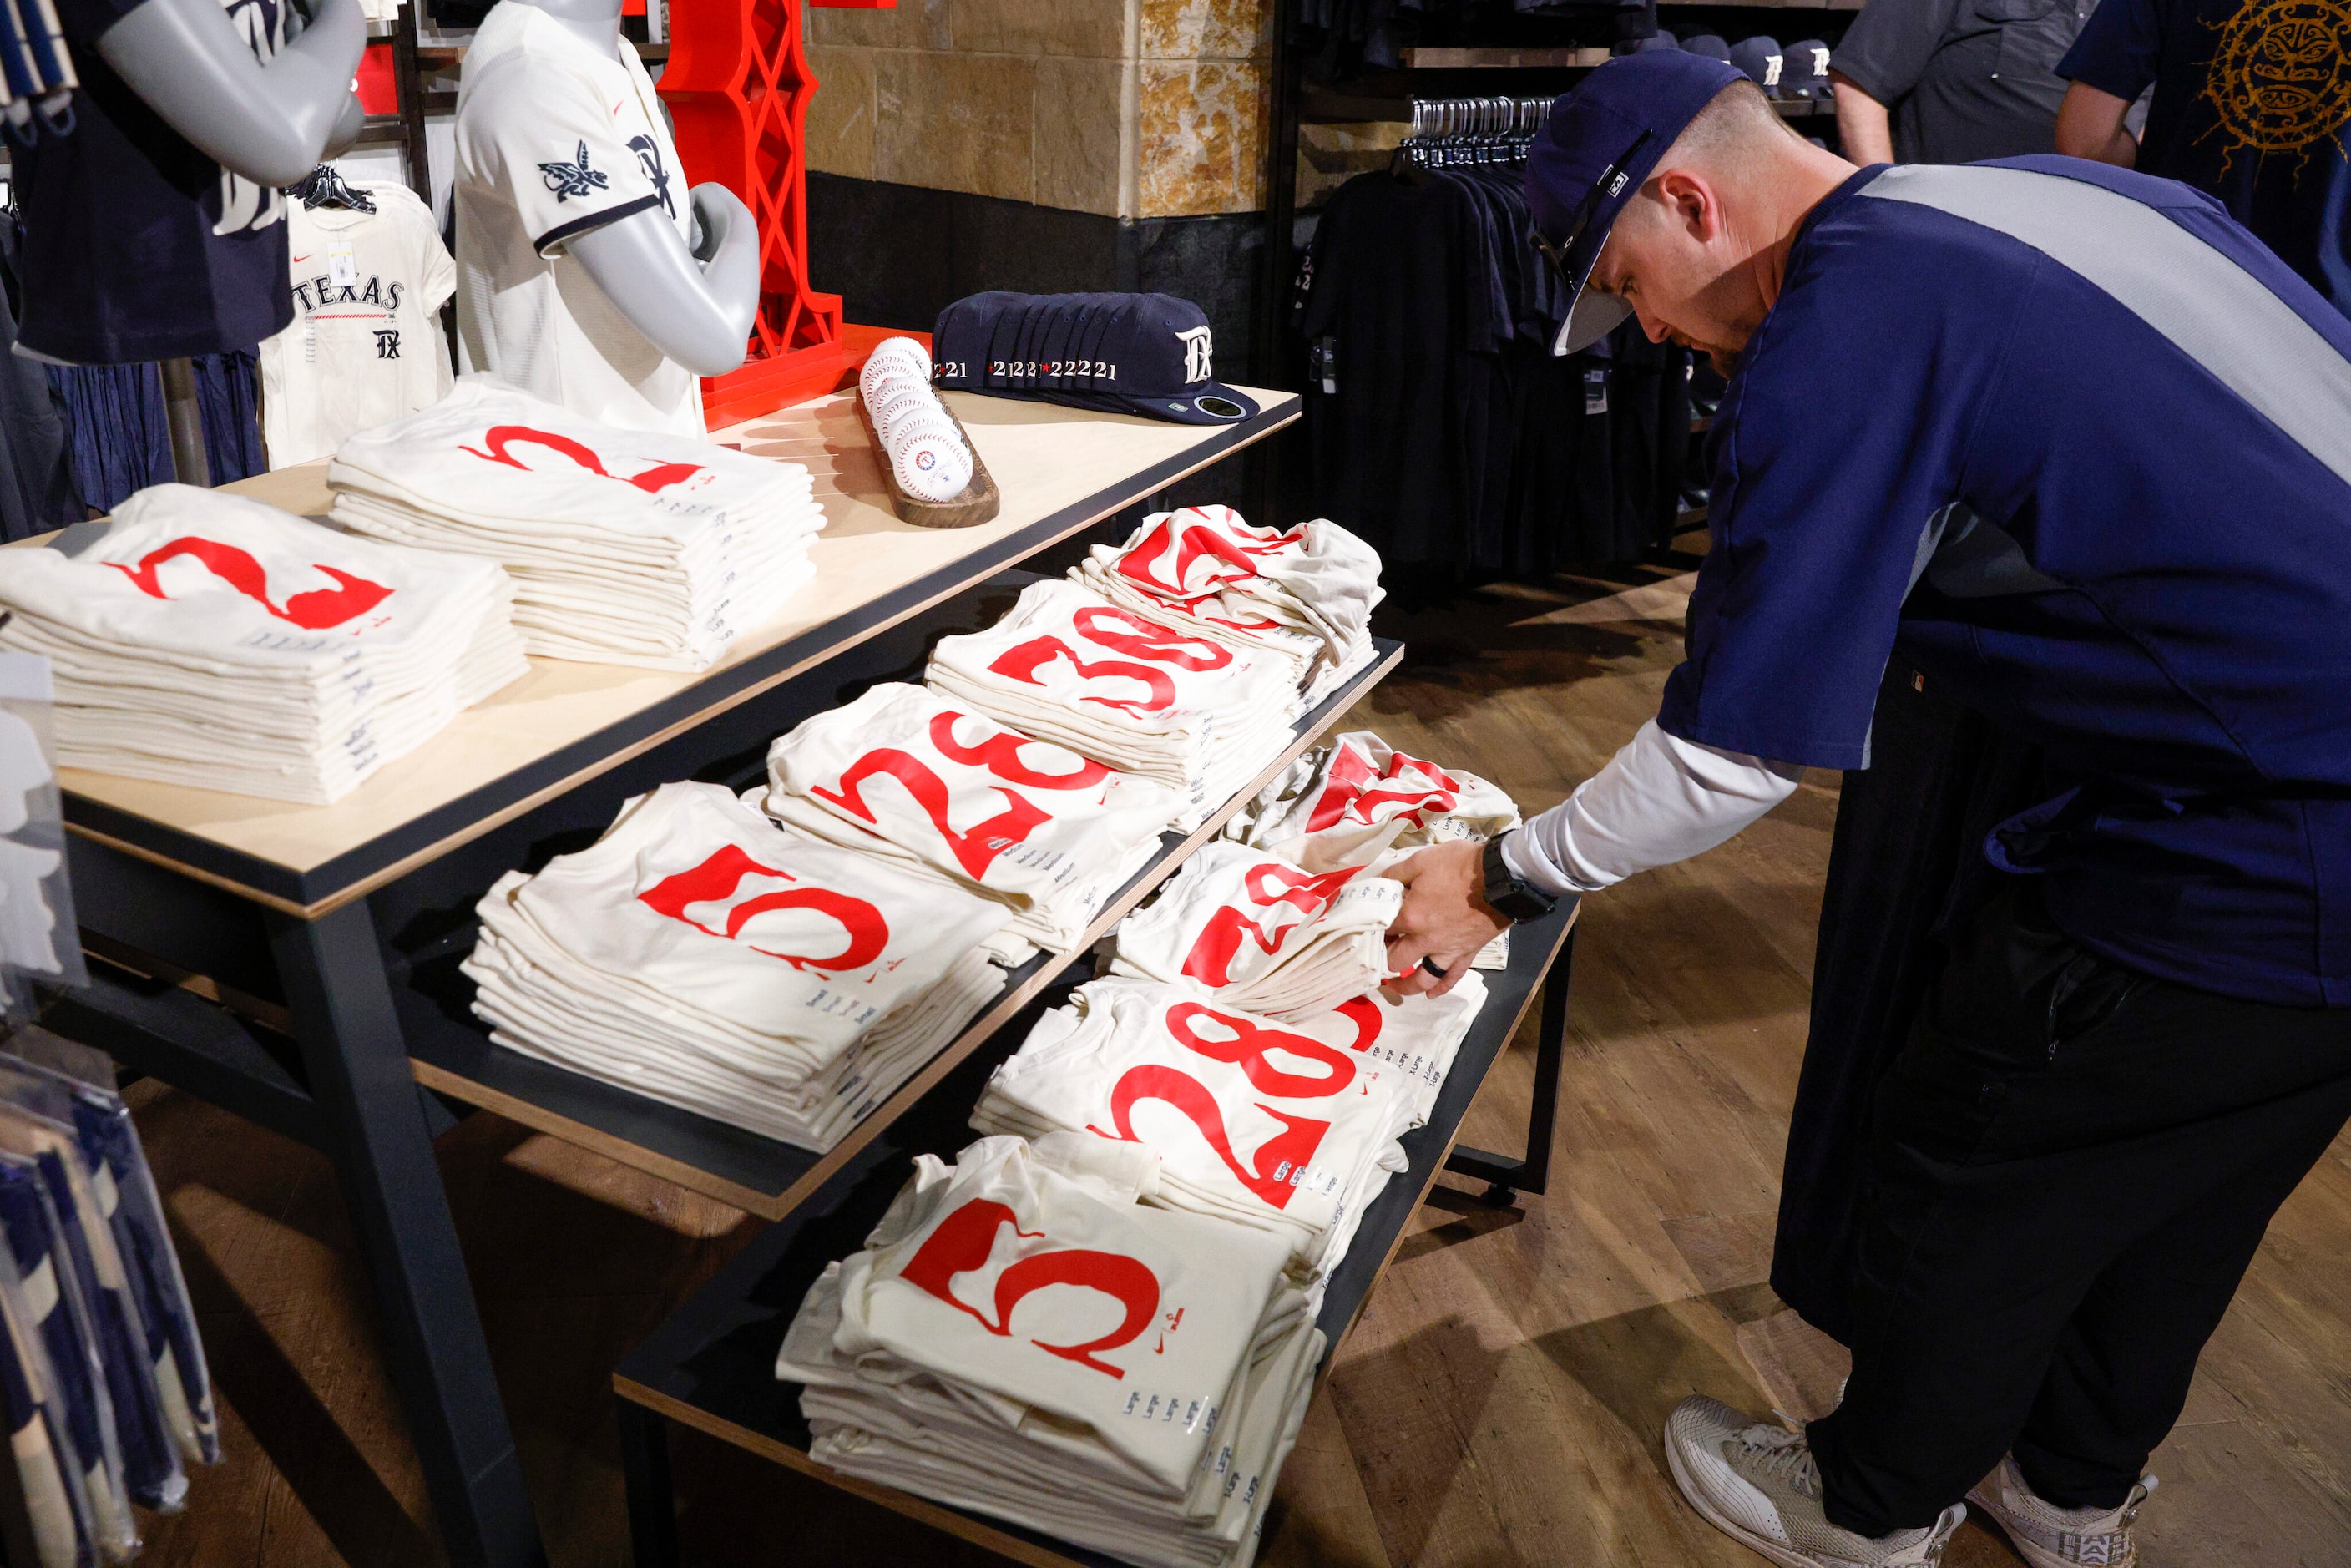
<point>1500,1402</point>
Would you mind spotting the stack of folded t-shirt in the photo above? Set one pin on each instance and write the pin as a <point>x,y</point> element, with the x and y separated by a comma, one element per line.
<point>1307,591</point>
<point>1020,1338</point>
<point>704,957</point>
<point>1263,933</point>
<point>1200,716</point>
<point>209,639</point>
<point>906,776</point>
<point>628,547</point>
<point>1359,800</point>
<point>1255,1122</point>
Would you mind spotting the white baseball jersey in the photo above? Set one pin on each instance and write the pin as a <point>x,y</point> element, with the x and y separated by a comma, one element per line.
<point>556,137</point>
<point>366,344</point>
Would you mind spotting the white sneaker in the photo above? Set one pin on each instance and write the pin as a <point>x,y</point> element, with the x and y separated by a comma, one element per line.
<point>2048,1536</point>
<point>1758,1484</point>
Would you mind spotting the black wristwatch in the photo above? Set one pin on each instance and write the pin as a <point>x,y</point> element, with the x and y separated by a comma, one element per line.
<point>1514,900</point>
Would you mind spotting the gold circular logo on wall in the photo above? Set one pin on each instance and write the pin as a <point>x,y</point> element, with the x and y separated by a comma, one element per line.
<point>2281,76</point>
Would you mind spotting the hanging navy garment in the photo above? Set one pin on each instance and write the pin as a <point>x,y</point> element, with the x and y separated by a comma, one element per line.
<point>36,491</point>
<point>138,247</point>
<point>121,439</point>
<point>1906,870</point>
<point>118,439</point>
<point>228,389</point>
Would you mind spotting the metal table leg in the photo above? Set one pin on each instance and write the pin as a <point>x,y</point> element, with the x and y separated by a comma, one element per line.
<point>373,1125</point>
<point>644,1469</point>
<point>1506,1178</point>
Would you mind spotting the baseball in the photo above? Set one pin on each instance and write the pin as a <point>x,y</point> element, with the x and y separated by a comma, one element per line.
<point>931,463</point>
<point>895,358</point>
<point>898,402</point>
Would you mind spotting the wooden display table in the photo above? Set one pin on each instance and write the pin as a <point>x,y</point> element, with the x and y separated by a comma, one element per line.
<point>297,964</point>
<point>712,1366</point>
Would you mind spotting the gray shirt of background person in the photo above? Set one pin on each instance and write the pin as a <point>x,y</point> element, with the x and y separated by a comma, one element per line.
<point>1964,78</point>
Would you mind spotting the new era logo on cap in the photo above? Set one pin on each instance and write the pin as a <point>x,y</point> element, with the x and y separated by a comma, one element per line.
<point>1150,354</point>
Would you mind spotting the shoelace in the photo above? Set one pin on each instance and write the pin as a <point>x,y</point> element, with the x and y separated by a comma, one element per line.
<point>1786,1456</point>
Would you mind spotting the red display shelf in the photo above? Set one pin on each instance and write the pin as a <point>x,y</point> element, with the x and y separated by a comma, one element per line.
<point>737,85</point>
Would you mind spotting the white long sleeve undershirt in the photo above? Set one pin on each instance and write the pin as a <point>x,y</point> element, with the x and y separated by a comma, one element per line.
<point>1660,799</point>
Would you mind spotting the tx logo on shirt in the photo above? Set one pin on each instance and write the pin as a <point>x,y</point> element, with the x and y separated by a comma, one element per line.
<point>649,159</point>
<point>316,611</point>
<point>574,178</point>
<point>387,344</point>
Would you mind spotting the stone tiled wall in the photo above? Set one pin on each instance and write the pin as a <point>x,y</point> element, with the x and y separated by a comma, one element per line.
<point>1130,109</point>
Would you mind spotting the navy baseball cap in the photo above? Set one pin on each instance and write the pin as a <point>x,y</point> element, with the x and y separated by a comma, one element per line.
<point>1591,157</point>
<point>1806,72</point>
<point>1118,353</point>
<point>1760,57</point>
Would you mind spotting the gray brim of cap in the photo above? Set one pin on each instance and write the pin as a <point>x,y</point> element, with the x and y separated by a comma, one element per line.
<point>1592,318</point>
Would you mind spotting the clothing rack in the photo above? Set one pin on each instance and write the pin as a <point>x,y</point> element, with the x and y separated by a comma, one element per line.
<point>1454,132</point>
<point>1281,364</point>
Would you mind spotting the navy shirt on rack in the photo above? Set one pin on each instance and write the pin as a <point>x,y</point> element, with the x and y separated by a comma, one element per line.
<point>2111,519</point>
<point>137,245</point>
<point>2253,103</point>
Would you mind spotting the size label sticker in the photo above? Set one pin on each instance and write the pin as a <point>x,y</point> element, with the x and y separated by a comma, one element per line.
<point>342,269</point>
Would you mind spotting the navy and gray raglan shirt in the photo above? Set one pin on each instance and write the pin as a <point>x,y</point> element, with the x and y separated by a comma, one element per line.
<point>2078,445</point>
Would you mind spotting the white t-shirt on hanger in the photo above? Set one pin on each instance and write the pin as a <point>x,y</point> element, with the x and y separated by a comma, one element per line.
<point>366,344</point>
<point>554,139</point>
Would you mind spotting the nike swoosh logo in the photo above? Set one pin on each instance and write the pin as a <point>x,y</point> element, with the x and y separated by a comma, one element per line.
<point>303,259</point>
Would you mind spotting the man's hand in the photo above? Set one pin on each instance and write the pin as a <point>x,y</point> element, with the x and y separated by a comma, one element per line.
<point>1444,919</point>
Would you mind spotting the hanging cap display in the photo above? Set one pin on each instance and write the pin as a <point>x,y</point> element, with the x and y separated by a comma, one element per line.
<point>1120,353</point>
<point>1590,156</point>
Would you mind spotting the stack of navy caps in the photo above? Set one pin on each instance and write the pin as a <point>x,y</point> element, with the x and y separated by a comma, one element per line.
<point>1118,353</point>
<point>1804,70</point>
<point>1710,44</point>
<point>1761,59</point>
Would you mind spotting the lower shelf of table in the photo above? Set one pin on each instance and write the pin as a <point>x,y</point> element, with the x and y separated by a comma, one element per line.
<point>711,1366</point>
<point>452,1054</point>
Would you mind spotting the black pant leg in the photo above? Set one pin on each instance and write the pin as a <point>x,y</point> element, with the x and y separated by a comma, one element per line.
<point>2120,1374</point>
<point>2050,1113</point>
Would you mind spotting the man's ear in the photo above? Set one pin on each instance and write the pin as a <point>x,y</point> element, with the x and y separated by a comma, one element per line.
<point>1692,202</point>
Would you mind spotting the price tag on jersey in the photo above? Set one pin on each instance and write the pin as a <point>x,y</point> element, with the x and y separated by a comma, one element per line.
<point>1595,389</point>
<point>343,267</point>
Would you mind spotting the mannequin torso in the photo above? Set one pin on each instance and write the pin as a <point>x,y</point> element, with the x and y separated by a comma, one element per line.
<point>192,113</point>
<point>690,303</point>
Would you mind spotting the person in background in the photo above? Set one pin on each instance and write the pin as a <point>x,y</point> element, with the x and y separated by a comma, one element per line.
<point>2251,100</point>
<point>1950,81</point>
